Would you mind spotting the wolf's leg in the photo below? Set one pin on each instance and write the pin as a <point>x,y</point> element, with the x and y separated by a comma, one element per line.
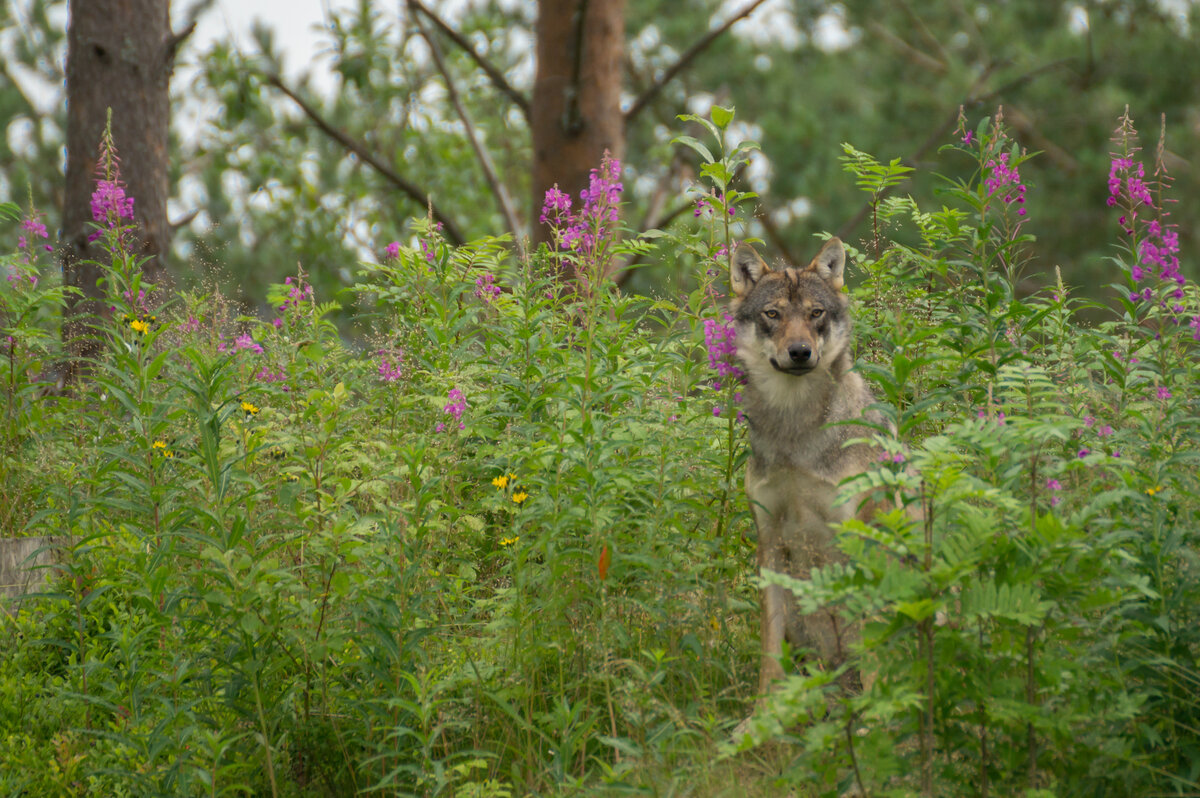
<point>823,631</point>
<point>775,603</point>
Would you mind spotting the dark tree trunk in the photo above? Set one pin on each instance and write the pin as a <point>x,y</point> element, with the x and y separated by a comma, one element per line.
<point>576,108</point>
<point>120,54</point>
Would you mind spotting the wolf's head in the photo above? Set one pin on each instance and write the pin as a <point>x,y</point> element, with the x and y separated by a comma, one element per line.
<point>795,320</point>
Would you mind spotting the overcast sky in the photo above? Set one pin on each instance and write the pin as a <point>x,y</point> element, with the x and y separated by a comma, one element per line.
<point>295,22</point>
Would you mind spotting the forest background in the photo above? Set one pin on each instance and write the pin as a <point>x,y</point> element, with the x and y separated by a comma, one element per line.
<point>255,183</point>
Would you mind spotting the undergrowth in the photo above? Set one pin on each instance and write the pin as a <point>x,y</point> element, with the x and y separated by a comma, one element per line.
<point>497,545</point>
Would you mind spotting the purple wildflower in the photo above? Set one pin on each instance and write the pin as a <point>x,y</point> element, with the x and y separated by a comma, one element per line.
<point>1002,176</point>
<point>486,289</point>
<point>1163,392</point>
<point>390,366</point>
<point>583,231</point>
<point>392,250</point>
<point>110,205</point>
<point>244,341</point>
<point>1158,248</point>
<point>1053,485</point>
<point>265,374</point>
<point>454,408</point>
<point>298,293</point>
<point>720,339</point>
<point>556,207</point>
<point>35,228</point>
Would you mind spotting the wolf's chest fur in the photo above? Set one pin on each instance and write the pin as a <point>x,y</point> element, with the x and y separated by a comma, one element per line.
<point>799,453</point>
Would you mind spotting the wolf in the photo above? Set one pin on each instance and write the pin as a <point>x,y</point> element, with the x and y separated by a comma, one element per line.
<point>793,337</point>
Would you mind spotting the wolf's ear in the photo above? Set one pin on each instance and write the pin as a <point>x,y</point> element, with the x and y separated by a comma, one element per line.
<point>830,262</point>
<point>747,268</point>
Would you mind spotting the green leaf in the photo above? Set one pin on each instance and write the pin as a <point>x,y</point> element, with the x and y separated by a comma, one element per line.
<point>721,117</point>
<point>689,141</point>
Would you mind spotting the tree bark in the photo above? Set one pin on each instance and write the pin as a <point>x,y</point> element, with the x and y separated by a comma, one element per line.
<point>576,108</point>
<point>120,54</point>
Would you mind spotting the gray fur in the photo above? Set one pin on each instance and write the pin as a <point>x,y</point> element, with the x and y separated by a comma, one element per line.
<point>794,338</point>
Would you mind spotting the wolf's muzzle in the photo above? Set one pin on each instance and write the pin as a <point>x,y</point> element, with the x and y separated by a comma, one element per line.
<point>800,360</point>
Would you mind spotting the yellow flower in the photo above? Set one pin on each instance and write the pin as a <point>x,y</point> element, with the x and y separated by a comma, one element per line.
<point>714,624</point>
<point>1154,490</point>
<point>520,497</point>
<point>161,446</point>
<point>137,325</point>
<point>500,482</point>
<point>249,409</point>
<point>158,445</point>
<point>509,541</point>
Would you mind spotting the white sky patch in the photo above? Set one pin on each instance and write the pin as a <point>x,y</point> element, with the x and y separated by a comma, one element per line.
<point>1077,20</point>
<point>771,23</point>
<point>1177,10</point>
<point>831,33</point>
<point>20,138</point>
<point>300,30</point>
<point>758,172</point>
<point>700,104</point>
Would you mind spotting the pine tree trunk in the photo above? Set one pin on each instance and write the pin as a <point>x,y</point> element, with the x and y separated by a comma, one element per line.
<point>120,54</point>
<point>576,109</point>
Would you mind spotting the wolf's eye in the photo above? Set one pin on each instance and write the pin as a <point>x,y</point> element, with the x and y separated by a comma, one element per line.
<point>771,313</point>
<point>818,313</point>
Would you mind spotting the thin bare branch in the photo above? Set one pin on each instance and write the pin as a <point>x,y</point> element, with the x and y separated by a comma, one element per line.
<point>453,235</point>
<point>176,41</point>
<point>923,60</point>
<point>187,219</point>
<point>930,40</point>
<point>688,56</point>
<point>494,75</point>
<point>485,160</point>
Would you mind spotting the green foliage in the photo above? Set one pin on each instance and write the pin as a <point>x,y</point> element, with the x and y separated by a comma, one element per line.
<point>498,545</point>
<point>1016,571</point>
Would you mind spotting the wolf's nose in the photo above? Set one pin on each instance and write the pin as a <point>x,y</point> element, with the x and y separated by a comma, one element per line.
<point>799,353</point>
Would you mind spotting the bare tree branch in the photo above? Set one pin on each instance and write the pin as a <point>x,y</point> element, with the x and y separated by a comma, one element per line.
<point>453,235</point>
<point>485,160</point>
<point>497,78</point>
<point>919,58</point>
<point>176,40</point>
<point>647,96</point>
<point>926,34</point>
<point>184,222</point>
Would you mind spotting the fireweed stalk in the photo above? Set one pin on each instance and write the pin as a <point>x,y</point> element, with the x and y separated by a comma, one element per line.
<point>1001,194</point>
<point>1153,242</point>
<point>583,242</point>
<point>112,208</point>
<point>720,339</point>
<point>584,237</point>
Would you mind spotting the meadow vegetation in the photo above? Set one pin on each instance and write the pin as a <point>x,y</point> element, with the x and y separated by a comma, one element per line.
<point>495,543</point>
